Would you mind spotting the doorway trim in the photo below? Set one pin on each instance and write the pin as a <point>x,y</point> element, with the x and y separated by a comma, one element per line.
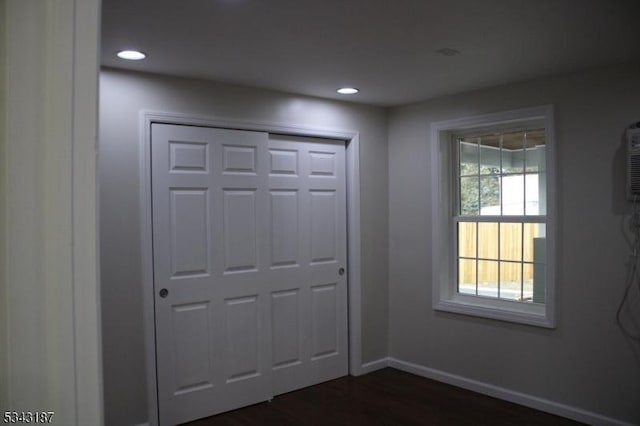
<point>354,303</point>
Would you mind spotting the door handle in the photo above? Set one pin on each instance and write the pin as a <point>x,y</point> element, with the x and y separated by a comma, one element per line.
<point>164,293</point>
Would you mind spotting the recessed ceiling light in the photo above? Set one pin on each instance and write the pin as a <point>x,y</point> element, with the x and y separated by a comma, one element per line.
<point>131,55</point>
<point>347,90</point>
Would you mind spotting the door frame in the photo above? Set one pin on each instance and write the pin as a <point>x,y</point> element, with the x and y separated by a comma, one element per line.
<point>352,159</point>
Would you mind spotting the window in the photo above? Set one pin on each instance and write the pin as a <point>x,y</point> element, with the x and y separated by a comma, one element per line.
<point>493,216</point>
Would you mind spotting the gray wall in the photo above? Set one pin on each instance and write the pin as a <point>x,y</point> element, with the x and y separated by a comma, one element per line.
<point>586,362</point>
<point>122,96</point>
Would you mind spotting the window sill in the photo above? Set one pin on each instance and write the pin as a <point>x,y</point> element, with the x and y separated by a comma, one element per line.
<point>504,310</point>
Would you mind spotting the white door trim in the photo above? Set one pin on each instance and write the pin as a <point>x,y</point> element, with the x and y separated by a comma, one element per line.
<point>352,139</point>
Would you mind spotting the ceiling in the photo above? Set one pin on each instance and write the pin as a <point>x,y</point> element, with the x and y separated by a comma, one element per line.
<point>386,48</point>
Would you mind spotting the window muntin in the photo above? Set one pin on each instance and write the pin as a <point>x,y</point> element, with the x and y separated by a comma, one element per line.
<point>500,214</point>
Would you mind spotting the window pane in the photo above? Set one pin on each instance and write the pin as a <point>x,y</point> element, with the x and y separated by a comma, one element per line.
<point>539,283</point>
<point>468,169</point>
<point>539,250</point>
<point>535,158</point>
<point>467,239</point>
<point>513,195</point>
<point>536,194</point>
<point>542,230</point>
<point>490,154</point>
<point>513,141</point>
<point>467,276</point>
<point>527,279</point>
<point>487,278</point>
<point>469,156</point>
<point>469,197</point>
<point>488,240</point>
<point>532,194</point>
<point>490,195</point>
<point>489,170</point>
<point>511,241</point>
<point>511,280</point>
<point>513,152</point>
<point>535,242</point>
<point>530,232</point>
<point>538,268</point>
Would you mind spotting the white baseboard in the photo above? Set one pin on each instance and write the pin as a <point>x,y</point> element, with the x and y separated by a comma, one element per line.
<point>370,367</point>
<point>541,404</point>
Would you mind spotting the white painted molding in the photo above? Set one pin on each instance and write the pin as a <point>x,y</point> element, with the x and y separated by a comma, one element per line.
<point>520,398</point>
<point>260,126</point>
<point>370,367</point>
<point>86,262</point>
<point>146,238</point>
<point>352,139</point>
<point>354,266</point>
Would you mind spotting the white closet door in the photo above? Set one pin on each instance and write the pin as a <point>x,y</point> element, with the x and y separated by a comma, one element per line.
<point>249,239</point>
<point>308,251</point>
<point>211,256</point>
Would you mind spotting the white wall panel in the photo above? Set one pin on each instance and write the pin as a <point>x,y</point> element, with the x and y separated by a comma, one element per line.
<point>189,232</point>
<point>239,159</point>
<point>188,157</point>
<point>322,164</point>
<point>283,162</point>
<point>324,321</point>
<point>284,228</point>
<point>240,242</point>
<point>242,348</point>
<point>192,347</point>
<point>285,313</point>
<point>323,226</point>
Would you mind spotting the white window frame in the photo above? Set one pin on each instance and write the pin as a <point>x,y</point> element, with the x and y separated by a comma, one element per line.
<point>445,292</point>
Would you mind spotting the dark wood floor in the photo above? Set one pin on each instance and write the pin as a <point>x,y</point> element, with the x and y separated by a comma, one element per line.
<point>385,397</point>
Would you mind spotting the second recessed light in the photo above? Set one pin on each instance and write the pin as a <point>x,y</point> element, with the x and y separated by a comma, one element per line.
<point>131,55</point>
<point>347,90</point>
